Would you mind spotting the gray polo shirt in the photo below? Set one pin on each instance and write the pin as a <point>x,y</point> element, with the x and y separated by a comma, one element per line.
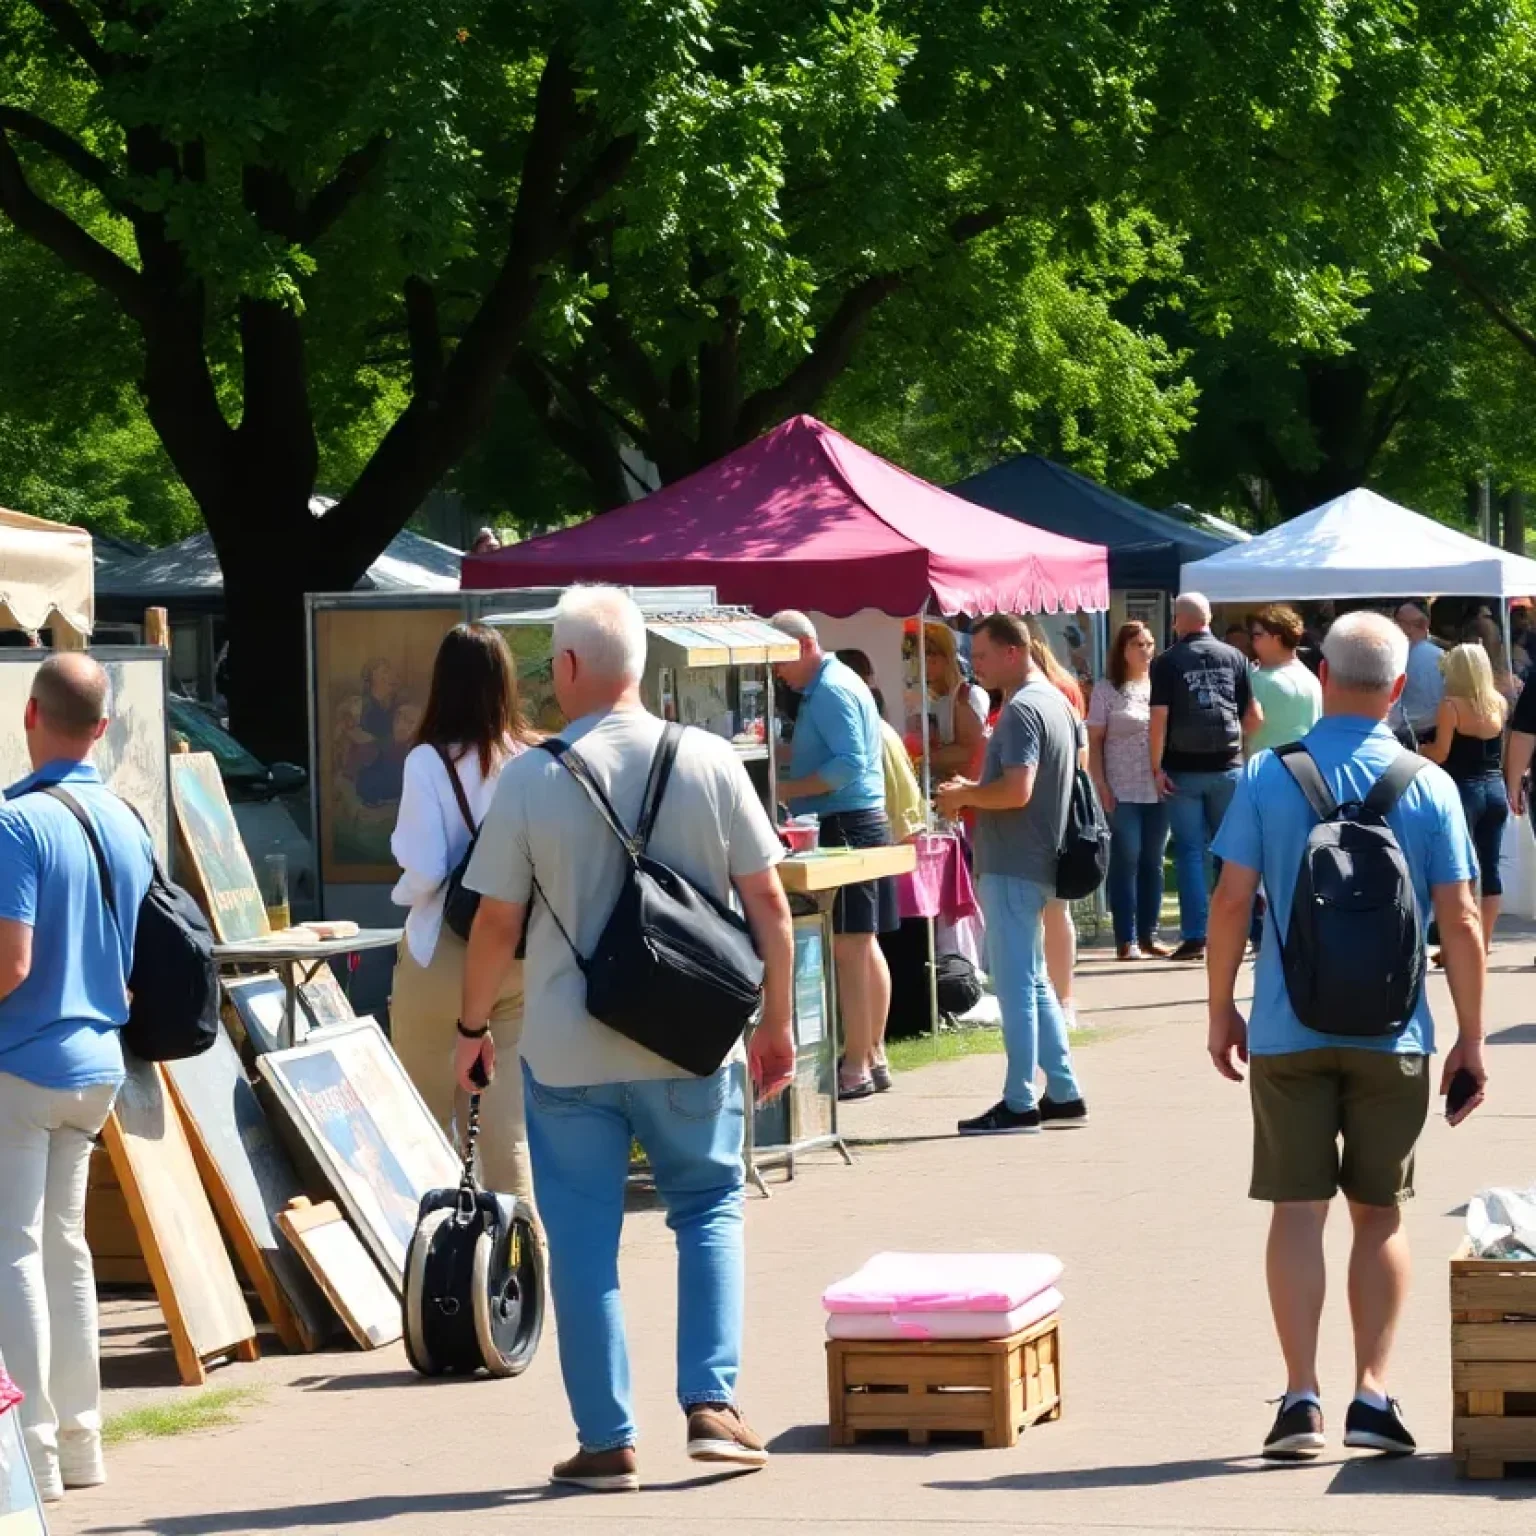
<point>1036,728</point>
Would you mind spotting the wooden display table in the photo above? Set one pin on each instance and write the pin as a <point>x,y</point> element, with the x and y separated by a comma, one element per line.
<point>823,872</point>
<point>990,1387</point>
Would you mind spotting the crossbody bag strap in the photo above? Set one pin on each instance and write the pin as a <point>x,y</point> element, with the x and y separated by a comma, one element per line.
<point>584,776</point>
<point>1302,767</point>
<point>1390,787</point>
<point>458,788</point>
<point>656,785</point>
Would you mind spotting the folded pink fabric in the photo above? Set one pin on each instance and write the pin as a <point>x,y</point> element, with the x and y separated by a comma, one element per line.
<point>943,1325</point>
<point>941,885</point>
<point>944,1282</point>
<point>10,1393</point>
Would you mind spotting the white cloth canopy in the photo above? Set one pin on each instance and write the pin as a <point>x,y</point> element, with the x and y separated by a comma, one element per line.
<point>47,579</point>
<point>1359,545</point>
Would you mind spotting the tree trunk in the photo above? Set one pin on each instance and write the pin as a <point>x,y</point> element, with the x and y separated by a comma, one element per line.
<point>1514,520</point>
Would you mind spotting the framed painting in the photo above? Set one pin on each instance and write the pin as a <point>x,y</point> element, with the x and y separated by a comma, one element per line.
<point>373,671</point>
<point>260,1005</point>
<point>359,1115</point>
<point>215,849</point>
<point>533,663</point>
<point>324,1001</point>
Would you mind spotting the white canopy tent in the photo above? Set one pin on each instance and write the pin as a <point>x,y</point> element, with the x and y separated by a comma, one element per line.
<point>47,579</point>
<point>1360,545</point>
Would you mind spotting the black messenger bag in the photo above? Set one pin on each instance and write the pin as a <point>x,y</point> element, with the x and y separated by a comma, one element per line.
<point>675,970</point>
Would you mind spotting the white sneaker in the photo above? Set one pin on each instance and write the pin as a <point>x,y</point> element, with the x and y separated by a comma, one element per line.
<point>80,1461</point>
<point>50,1486</point>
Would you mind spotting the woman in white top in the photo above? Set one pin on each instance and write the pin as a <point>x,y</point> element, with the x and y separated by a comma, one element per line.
<point>957,708</point>
<point>473,727</point>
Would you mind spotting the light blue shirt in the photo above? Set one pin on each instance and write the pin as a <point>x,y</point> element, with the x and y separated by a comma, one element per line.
<point>1267,828</point>
<point>837,738</point>
<point>1425,686</point>
<point>59,1028</point>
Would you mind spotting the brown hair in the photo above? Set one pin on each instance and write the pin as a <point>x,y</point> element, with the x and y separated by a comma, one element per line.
<point>1284,623</point>
<point>1127,632</point>
<point>1055,674</point>
<point>1004,629</point>
<point>474,703</point>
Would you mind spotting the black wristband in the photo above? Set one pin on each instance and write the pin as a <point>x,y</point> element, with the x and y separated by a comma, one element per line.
<point>472,1034</point>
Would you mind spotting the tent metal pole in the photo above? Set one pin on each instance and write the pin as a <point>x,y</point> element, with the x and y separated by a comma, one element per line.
<point>922,693</point>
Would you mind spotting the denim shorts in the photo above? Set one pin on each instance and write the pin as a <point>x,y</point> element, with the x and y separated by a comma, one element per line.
<point>870,906</point>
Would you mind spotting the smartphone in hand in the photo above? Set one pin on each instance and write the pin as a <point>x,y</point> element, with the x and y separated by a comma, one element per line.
<point>1463,1089</point>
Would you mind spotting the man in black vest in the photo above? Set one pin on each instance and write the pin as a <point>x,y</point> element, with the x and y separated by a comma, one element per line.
<point>1201,705</point>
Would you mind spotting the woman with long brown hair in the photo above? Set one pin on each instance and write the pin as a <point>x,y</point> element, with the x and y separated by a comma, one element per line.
<point>473,727</point>
<point>1119,757</point>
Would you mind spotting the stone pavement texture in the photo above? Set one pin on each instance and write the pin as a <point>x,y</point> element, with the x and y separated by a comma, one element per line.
<point>1168,1354</point>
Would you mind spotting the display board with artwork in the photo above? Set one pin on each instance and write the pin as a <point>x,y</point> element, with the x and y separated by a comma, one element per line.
<point>131,755</point>
<point>215,851</point>
<point>362,1120</point>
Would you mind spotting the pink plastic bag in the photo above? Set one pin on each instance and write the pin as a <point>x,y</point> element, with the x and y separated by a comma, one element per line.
<point>944,1282</point>
<point>10,1393</point>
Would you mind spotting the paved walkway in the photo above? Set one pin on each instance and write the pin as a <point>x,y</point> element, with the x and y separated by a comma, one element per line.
<point>1167,1345</point>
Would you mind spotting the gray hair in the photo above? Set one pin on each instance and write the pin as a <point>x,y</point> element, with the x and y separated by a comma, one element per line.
<point>792,622</point>
<point>1193,605</point>
<point>1366,652</point>
<point>604,629</point>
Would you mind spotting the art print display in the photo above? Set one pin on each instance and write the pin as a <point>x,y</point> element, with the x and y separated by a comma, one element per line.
<point>365,1124</point>
<point>131,755</point>
<point>322,999</point>
<point>216,850</point>
<point>533,663</point>
<point>373,672</point>
<point>260,1005</point>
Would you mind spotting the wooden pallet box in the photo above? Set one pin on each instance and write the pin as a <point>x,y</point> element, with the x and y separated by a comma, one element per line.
<point>921,1387</point>
<point>1493,1363</point>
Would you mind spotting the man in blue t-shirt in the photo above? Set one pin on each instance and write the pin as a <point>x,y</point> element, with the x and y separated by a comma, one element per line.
<point>1310,1090</point>
<point>836,770</point>
<point>64,964</point>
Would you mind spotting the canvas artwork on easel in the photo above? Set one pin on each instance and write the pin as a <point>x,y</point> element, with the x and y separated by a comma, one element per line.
<point>214,847</point>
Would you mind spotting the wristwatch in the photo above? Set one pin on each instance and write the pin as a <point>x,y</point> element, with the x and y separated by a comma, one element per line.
<point>472,1034</point>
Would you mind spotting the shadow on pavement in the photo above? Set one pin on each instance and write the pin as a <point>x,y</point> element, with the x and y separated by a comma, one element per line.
<point>363,1381</point>
<point>1154,1474</point>
<point>1513,1034</point>
<point>1422,1475</point>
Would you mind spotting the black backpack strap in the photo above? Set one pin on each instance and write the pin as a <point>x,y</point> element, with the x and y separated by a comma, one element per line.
<point>458,788</point>
<point>1390,787</point>
<point>76,810</point>
<point>1302,767</point>
<point>583,775</point>
<point>656,785</point>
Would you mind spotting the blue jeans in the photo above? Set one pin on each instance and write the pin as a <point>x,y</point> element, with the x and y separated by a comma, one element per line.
<point>1139,840</point>
<point>579,1139</point>
<point>1034,1029</point>
<point>1485,804</point>
<point>1195,810</point>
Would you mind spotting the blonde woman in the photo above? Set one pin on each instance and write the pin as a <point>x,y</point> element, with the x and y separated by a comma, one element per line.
<point>1468,744</point>
<point>958,708</point>
<point>472,728</point>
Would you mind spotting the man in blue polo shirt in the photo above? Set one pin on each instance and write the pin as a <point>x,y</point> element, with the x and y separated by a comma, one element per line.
<point>836,771</point>
<point>1310,1091</point>
<point>64,962</point>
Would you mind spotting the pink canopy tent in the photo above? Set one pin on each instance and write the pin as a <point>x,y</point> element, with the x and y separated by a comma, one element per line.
<point>804,518</point>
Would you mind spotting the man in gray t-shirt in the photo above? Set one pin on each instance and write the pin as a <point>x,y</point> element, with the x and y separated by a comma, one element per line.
<point>1021,808</point>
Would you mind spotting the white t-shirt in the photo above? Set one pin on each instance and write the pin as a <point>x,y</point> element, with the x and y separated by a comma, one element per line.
<point>430,837</point>
<point>711,828</point>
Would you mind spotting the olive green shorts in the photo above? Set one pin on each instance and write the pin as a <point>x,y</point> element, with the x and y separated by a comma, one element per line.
<point>1306,1104</point>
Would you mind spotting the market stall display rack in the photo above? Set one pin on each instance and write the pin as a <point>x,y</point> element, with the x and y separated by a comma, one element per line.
<point>1493,1364</point>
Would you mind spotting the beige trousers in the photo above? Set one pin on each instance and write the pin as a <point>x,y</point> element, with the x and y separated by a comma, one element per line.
<point>423,1011</point>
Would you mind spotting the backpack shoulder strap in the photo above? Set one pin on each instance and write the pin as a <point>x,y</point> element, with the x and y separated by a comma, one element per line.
<point>1390,787</point>
<point>458,788</point>
<point>75,809</point>
<point>1302,767</point>
<point>656,785</point>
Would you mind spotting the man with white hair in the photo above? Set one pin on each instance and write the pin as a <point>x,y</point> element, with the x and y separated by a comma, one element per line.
<point>1202,702</point>
<point>1310,1089</point>
<point>590,1091</point>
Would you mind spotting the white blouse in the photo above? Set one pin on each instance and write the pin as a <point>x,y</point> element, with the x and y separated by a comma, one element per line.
<point>430,838</point>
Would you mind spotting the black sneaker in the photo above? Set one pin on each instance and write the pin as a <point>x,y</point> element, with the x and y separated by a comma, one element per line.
<point>1190,949</point>
<point>1378,1429</point>
<point>1065,1115</point>
<point>1002,1121</point>
<point>1298,1433</point>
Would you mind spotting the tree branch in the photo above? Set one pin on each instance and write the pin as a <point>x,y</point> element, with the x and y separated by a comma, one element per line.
<point>338,194</point>
<point>39,220</point>
<point>1479,293</point>
<point>75,33</point>
<point>64,147</point>
<point>582,438</point>
<point>803,386</point>
<point>599,178</point>
<point>425,333</point>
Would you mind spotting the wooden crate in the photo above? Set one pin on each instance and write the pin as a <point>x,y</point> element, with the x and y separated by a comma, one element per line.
<point>1493,1363</point>
<point>990,1387</point>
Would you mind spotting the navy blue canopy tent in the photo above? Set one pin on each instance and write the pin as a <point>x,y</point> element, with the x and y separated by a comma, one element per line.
<point>1146,548</point>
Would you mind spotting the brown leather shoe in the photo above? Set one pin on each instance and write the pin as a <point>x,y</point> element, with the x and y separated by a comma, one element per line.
<point>600,1471</point>
<point>1155,948</point>
<point>717,1432</point>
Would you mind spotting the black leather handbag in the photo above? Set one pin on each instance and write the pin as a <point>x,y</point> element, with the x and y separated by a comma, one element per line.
<point>460,904</point>
<point>675,970</point>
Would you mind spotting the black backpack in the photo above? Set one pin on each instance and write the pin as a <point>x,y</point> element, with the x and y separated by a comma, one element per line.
<point>1083,859</point>
<point>173,1012</point>
<point>1353,957</point>
<point>675,970</point>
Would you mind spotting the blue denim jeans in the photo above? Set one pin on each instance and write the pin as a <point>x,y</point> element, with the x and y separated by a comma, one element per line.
<point>1485,804</point>
<point>1195,810</point>
<point>579,1139</point>
<point>1034,1028</point>
<point>1139,839</point>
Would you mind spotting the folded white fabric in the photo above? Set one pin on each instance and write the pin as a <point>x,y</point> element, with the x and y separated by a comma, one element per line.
<point>901,1283</point>
<point>944,1325</point>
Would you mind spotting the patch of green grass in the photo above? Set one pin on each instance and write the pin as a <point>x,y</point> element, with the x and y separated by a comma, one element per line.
<point>923,1050</point>
<point>212,1409</point>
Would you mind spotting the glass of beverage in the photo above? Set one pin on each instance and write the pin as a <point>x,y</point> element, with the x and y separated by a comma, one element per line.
<point>274,891</point>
